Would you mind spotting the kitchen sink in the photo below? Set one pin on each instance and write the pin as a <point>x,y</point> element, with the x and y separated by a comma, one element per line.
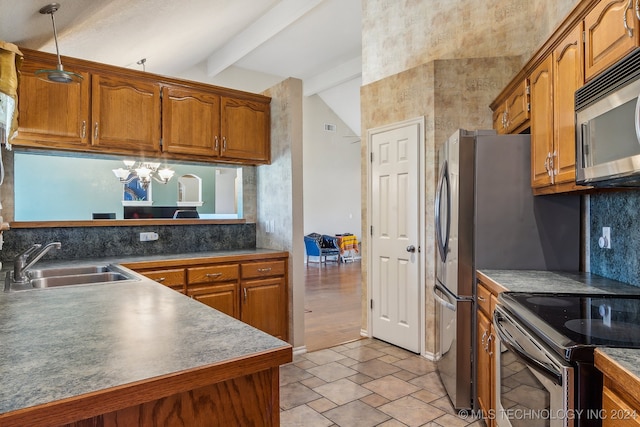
<point>67,276</point>
<point>67,271</point>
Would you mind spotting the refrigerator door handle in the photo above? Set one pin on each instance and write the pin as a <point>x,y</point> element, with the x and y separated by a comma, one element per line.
<point>452,299</point>
<point>443,244</point>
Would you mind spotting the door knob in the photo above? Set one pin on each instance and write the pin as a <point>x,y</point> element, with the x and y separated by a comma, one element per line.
<point>411,248</point>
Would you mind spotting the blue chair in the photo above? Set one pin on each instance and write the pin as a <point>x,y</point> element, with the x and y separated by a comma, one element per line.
<point>322,245</point>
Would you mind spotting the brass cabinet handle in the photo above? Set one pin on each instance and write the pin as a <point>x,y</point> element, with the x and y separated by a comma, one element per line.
<point>84,129</point>
<point>213,274</point>
<point>264,270</point>
<point>216,143</point>
<point>480,298</point>
<point>224,143</point>
<point>245,294</point>
<point>161,279</point>
<point>95,131</point>
<point>638,9</point>
<point>624,18</point>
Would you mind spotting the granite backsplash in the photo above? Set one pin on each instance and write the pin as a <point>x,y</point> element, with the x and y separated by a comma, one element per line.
<point>94,242</point>
<point>619,210</point>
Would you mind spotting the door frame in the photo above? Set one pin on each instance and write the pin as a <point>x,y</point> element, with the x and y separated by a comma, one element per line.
<point>420,121</point>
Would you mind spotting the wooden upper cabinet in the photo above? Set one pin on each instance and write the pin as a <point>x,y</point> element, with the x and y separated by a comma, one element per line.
<point>245,130</point>
<point>190,122</point>
<point>125,113</point>
<point>517,107</point>
<point>52,113</point>
<point>121,111</point>
<point>542,124</point>
<point>512,115</point>
<point>611,31</point>
<point>567,78</point>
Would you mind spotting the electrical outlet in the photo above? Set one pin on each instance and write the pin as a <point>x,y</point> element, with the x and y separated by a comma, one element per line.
<point>148,237</point>
<point>605,240</point>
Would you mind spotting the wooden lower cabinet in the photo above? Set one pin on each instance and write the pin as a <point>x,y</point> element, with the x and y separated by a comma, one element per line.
<point>173,278</point>
<point>620,393</point>
<point>252,290</point>
<point>485,351</point>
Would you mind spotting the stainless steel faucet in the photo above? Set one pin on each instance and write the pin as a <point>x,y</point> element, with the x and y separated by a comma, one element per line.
<point>20,264</point>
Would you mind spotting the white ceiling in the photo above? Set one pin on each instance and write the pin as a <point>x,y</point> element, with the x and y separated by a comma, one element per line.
<point>317,41</point>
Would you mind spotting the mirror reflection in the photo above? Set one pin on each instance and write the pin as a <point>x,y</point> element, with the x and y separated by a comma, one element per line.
<point>62,186</point>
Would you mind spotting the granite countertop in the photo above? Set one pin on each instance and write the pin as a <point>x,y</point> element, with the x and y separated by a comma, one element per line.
<point>59,343</point>
<point>556,281</point>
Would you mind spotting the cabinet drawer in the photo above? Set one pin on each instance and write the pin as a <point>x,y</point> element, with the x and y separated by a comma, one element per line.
<point>263,269</point>
<point>174,278</point>
<point>212,273</point>
<point>484,300</point>
<point>618,412</point>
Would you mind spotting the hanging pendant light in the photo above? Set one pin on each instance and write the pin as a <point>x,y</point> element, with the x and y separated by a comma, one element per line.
<point>59,75</point>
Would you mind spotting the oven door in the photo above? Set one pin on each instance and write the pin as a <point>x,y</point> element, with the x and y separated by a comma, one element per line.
<point>534,387</point>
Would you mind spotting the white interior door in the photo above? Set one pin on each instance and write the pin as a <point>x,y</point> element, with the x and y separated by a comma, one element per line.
<point>395,243</point>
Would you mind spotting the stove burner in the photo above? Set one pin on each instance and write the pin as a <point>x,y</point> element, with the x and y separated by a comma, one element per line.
<point>595,328</point>
<point>549,302</point>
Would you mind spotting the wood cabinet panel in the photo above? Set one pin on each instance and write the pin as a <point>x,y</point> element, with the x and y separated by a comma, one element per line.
<point>618,411</point>
<point>567,78</point>
<point>174,278</point>
<point>125,114</point>
<point>263,269</point>
<point>485,365</point>
<point>611,31</point>
<point>190,122</point>
<point>484,299</point>
<point>245,129</point>
<point>264,305</point>
<point>542,124</point>
<point>517,107</point>
<point>223,297</point>
<point>52,113</point>
<point>212,273</point>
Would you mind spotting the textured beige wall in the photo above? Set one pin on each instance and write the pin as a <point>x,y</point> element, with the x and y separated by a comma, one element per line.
<point>398,35</point>
<point>279,195</point>
<point>446,61</point>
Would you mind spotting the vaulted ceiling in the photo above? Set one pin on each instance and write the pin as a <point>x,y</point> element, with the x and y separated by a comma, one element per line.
<point>317,41</point>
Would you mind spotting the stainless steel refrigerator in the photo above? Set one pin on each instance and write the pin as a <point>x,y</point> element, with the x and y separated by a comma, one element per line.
<point>487,218</point>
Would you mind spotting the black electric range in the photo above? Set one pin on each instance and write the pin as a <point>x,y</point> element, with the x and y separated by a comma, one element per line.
<point>574,324</point>
<point>555,335</point>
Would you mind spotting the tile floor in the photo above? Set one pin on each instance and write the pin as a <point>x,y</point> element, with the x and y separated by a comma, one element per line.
<point>364,383</point>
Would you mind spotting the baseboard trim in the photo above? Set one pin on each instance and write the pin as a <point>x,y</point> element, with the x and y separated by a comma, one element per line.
<point>297,351</point>
<point>434,357</point>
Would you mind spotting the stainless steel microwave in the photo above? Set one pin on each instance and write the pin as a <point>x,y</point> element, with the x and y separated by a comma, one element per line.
<point>608,126</point>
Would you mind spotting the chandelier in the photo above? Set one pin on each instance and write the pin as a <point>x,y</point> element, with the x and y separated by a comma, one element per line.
<point>144,172</point>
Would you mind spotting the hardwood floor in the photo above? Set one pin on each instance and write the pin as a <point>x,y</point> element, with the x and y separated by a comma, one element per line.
<point>332,304</point>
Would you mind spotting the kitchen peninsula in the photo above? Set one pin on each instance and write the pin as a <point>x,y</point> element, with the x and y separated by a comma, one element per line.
<point>132,353</point>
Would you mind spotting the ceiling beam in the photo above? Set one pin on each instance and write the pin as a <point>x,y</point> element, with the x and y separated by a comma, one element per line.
<point>277,19</point>
<point>342,73</point>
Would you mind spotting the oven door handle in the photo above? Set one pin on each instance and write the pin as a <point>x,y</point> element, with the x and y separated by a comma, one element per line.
<point>544,368</point>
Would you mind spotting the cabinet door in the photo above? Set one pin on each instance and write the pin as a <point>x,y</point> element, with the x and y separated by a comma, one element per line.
<point>607,37</point>
<point>485,371</point>
<point>541,124</point>
<point>245,130</point>
<point>567,75</point>
<point>212,273</point>
<point>500,119</point>
<point>517,107</point>
<point>264,305</point>
<point>52,114</point>
<point>173,278</point>
<point>125,114</point>
<point>223,297</point>
<point>190,122</point>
